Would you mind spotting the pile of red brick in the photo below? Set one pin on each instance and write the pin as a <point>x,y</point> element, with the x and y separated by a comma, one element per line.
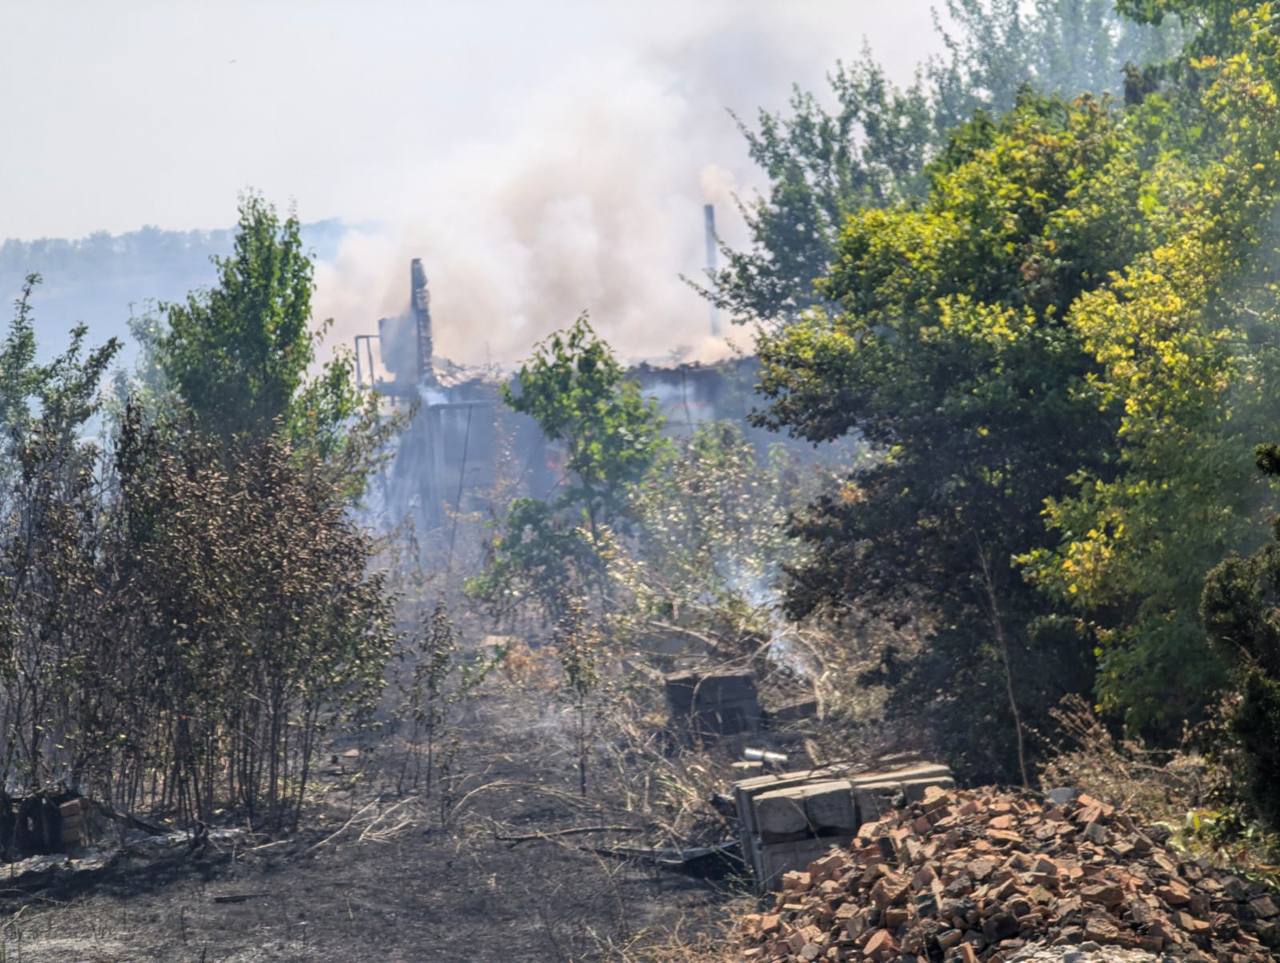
<point>980,875</point>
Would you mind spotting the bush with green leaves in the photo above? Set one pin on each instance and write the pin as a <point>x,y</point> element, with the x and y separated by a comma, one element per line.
<point>609,434</point>
<point>1241,611</point>
<point>184,617</point>
<point>265,627</point>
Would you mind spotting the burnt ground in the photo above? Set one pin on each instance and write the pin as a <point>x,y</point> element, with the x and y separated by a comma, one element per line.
<point>410,890</point>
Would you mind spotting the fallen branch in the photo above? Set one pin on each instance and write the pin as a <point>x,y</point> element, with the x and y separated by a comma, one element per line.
<point>572,831</point>
<point>239,897</point>
<point>372,831</point>
<point>129,819</point>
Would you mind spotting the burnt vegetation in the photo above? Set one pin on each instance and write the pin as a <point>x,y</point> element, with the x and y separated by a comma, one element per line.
<point>996,502</point>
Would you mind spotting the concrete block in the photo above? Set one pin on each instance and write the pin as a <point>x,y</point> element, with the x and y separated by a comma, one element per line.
<point>926,770</point>
<point>713,703</point>
<point>834,801</point>
<point>780,814</point>
<point>780,858</point>
<point>830,807</point>
<point>815,809</point>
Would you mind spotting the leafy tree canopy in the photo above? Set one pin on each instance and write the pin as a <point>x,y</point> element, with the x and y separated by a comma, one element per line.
<point>579,394</point>
<point>239,354</point>
<point>1074,325</point>
<point>44,408</point>
<point>873,147</point>
<point>946,347</point>
<point>1184,339</point>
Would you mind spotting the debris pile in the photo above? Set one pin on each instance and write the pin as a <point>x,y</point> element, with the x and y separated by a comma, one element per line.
<point>985,875</point>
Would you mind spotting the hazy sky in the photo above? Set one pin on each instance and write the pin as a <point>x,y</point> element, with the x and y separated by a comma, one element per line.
<point>545,157</point>
<point>120,113</point>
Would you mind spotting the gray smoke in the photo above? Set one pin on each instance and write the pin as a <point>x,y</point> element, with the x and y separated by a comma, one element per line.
<point>591,197</point>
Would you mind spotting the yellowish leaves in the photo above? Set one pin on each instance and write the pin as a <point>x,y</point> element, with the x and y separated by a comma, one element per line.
<point>995,325</point>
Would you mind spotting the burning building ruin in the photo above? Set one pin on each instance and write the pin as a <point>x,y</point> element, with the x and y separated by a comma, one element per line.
<point>459,431</point>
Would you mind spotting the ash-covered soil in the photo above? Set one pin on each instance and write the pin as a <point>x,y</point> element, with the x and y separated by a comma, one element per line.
<point>410,890</point>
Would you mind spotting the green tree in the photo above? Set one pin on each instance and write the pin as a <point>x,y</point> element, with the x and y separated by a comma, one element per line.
<point>949,353</point>
<point>996,48</point>
<point>1185,343</point>
<point>239,353</point>
<point>49,403</point>
<point>50,592</point>
<point>580,396</point>
<point>873,147</point>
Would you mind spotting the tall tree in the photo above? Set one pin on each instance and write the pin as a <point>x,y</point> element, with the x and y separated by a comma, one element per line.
<point>239,353</point>
<point>579,394</point>
<point>1185,343</point>
<point>872,148</point>
<point>948,352</point>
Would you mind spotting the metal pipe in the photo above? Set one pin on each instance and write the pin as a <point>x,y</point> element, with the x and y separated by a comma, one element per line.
<point>709,221</point>
<point>765,756</point>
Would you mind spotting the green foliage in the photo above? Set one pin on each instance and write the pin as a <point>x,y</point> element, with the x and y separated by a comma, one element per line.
<point>50,540</point>
<point>948,351</point>
<point>1255,724</point>
<point>46,403</point>
<point>579,395</point>
<point>537,556</point>
<point>1184,339</point>
<point>1074,327</point>
<point>873,148</point>
<point>238,354</point>
<point>1240,607</point>
<point>1065,47</point>
<point>821,166</point>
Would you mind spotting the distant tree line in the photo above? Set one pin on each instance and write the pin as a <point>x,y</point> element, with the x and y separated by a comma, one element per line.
<point>106,278</point>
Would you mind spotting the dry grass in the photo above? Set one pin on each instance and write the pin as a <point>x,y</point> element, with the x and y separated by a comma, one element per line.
<point>1179,790</point>
<point>1159,786</point>
<point>688,940</point>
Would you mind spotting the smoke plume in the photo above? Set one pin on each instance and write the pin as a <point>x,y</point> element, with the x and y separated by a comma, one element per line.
<point>588,194</point>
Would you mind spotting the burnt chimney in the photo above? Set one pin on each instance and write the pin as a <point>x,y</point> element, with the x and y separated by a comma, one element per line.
<point>420,308</point>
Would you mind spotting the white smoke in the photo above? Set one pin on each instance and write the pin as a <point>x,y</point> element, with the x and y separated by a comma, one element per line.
<point>588,195</point>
